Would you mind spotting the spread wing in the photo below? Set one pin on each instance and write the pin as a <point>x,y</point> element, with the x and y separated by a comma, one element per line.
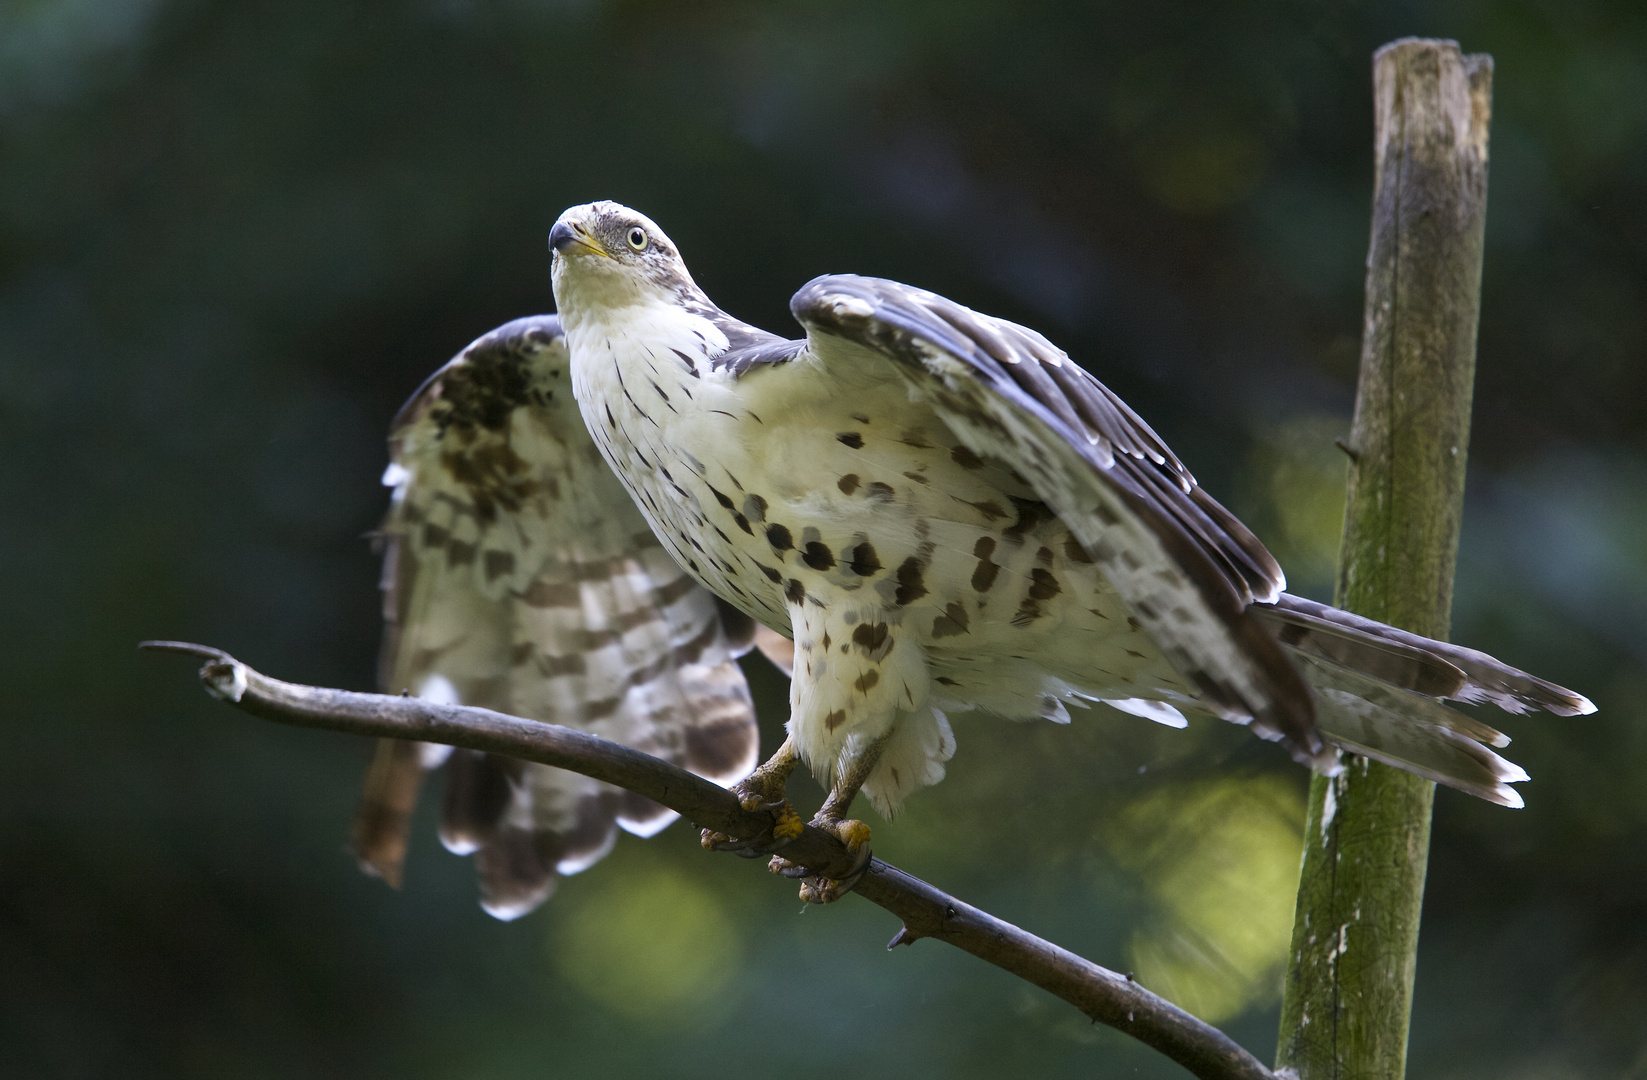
<point>1184,565</point>
<point>519,576</point>
<point>1194,576</point>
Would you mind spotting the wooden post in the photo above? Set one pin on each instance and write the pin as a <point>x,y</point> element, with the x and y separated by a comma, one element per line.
<point>1348,995</point>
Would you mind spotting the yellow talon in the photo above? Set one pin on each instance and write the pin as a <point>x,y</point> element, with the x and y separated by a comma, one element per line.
<point>854,834</point>
<point>788,824</point>
<point>821,890</point>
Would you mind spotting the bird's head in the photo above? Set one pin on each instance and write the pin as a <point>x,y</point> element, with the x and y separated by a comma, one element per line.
<point>609,256</point>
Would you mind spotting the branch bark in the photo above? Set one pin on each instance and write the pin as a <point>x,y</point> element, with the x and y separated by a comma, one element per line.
<point>927,912</point>
<point>1348,997</point>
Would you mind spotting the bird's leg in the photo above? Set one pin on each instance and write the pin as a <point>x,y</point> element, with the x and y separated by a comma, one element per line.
<point>831,818</point>
<point>763,789</point>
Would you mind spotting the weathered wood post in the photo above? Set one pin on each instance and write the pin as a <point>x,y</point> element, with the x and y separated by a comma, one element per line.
<point>1348,995</point>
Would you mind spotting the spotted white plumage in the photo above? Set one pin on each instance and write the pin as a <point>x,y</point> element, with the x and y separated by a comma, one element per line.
<point>946,513</point>
<point>519,577</point>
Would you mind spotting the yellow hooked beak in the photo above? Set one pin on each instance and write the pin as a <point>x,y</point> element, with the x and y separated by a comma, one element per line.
<point>565,239</point>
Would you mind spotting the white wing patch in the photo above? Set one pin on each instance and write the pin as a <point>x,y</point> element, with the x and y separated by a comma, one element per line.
<point>1159,711</point>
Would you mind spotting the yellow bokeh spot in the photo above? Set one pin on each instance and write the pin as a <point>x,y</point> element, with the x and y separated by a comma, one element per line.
<point>1222,861</point>
<point>1296,482</point>
<point>654,945</point>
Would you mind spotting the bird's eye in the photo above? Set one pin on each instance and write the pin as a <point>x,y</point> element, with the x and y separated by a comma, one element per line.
<point>637,238</point>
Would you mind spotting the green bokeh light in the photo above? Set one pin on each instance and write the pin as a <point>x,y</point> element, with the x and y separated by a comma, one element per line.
<point>653,945</point>
<point>1222,859</point>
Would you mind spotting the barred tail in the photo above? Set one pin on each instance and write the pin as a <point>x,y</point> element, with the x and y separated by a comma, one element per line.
<point>383,822</point>
<point>1378,693</point>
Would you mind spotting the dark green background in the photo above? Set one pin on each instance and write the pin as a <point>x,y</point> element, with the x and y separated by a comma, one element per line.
<point>234,235</point>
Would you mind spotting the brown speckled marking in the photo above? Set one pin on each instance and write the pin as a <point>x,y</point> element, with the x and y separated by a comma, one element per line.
<point>1031,512</point>
<point>754,507</point>
<point>951,623</point>
<point>865,562</point>
<point>1043,586</point>
<point>917,477</point>
<point>1074,552</point>
<point>817,555</point>
<point>878,490</point>
<point>866,682</point>
<point>911,587</point>
<point>848,483</point>
<point>778,536</point>
<point>872,639</point>
<point>794,591</point>
<point>946,681</point>
<point>965,458</point>
<point>850,438</point>
<point>835,719</point>
<point>983,575</point>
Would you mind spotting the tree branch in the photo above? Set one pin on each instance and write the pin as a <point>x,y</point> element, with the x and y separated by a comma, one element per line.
<point>1347,1005</point>
<point>927,912</point>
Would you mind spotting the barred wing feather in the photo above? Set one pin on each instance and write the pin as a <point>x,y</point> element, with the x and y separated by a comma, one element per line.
<point>519,576</point>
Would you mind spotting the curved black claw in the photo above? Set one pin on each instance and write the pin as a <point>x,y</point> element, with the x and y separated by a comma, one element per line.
<point>817,889</point>
<point>763,789</point>
<point>786,825</point>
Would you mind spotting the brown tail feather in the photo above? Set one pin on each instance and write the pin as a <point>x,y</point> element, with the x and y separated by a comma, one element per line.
<point>1410,731</point>
<point>384,820</point>
<point>1378,689</point>
<point>1412,662</point>
<point>478,789</point>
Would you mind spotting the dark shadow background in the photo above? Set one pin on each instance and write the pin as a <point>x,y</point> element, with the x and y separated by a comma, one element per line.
<point>234,235</point>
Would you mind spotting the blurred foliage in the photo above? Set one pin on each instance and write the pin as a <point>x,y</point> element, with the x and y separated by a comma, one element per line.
<point>234,236</point>
<point>1292,492</point>
<point>1221,858</point>
<point>648,943</point>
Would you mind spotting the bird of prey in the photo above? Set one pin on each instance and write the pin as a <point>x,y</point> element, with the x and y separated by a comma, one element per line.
<point>944,513</point>
<point>938,509</point>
